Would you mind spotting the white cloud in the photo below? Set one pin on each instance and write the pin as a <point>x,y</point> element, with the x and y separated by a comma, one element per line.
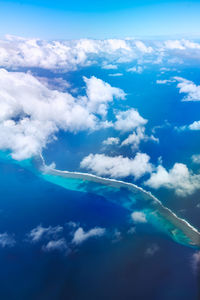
<point>115,74</point>
<point>57,83</point>
<point>80,235</point>
<point>164,69</point>
<point>111,141</point>
<point>174,44</point>
<point>118,166</point>
<point>142,47</point>
<point>31,113</point>
<point>109,66</point>
<point>72,224</point>
<point>67,55</point>
<point>191,45</point>
<point>38,233</point>
<point>6,240</point>
<point>195,125</point>
<point>128,120</point>
<point>181,44</point>
<point>189,88</point>
<point>139,217</point>
<point>164,81</point>
<point>136,137</point>
<point>55,245</point>
<point>17,52</point>
<point>136,69</point>
<point>176,60</point>
<point>178,178</point>
<point>196,158</point>
<point>117,44</point>
<point>26,137</point>
<point>99,93</point>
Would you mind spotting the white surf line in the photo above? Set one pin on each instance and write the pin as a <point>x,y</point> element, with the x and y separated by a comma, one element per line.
<point>190,231</point>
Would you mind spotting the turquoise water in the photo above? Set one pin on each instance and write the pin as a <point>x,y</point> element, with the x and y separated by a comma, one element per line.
<point>161,217</point>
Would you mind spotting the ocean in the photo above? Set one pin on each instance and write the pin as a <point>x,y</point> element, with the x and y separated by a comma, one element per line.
<point>114,266</point>
<point>133,260</point>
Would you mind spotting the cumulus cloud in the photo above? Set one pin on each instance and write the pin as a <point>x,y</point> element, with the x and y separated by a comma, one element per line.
<point>128,120</point>
<point>118,166</point>
<point>40,232</point>
<point>50,236</point>
<point>99,93</point>
<point>6,240</point>
<point>196,158</point>
<point>139,217</point>
<point>54,238</point>
<point>136,137</point>
<point>111,141</point>
<point>189,88</point>
<point>80,235</point>
<point>178,178</point>
<point>195,125</point>
<point>31,112</point>
<point>55,245</point>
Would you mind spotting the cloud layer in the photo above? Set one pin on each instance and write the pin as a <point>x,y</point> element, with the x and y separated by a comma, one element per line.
<point>17,52</point>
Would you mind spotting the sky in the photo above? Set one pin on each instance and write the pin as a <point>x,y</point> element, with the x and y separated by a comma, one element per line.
<point>99,19</point>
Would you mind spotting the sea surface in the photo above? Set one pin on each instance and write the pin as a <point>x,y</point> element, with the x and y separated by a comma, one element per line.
<point>116,267</point>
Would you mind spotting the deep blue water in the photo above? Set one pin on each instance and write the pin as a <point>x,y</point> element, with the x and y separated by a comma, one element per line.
<point>97,269</point>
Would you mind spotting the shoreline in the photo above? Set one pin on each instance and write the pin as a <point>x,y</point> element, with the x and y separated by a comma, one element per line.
<point>181,224</point>
<point>179,229</point>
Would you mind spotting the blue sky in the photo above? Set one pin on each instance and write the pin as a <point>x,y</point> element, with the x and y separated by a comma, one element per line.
<point>99,19</point>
